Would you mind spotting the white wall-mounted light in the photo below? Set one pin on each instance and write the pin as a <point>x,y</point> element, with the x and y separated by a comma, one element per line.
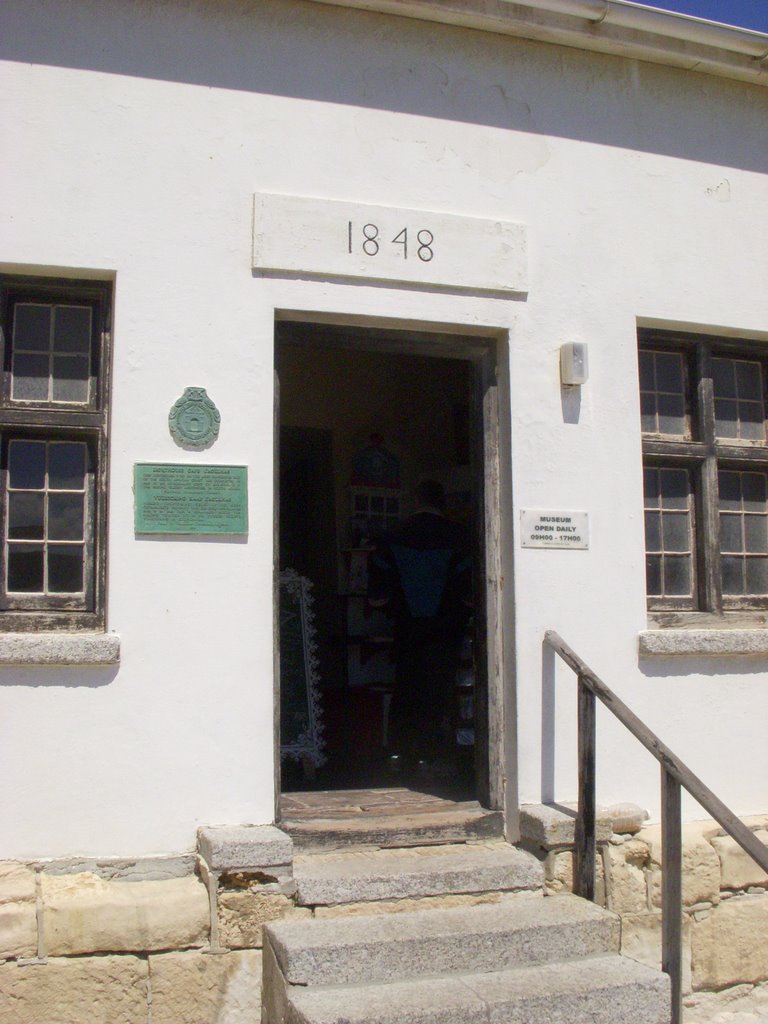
<point>574,367</point>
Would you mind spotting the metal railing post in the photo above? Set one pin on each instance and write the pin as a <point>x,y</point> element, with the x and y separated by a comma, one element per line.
<point>674,775</point>
<point>672,890</point>
<point>584,854</point>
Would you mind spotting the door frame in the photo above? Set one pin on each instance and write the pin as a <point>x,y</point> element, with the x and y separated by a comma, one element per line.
<point>497,778</point>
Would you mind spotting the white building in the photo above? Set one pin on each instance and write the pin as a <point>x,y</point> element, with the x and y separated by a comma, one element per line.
<point>406,209</point>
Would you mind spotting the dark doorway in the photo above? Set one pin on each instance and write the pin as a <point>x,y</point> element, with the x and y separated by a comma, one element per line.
<point>365,417</point>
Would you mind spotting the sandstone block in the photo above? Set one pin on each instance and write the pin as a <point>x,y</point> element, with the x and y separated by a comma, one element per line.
<point>97,990</point>
<point>17,882</point>
<point>701,865</point>
<point>737,869</point>
<point>756,821</point>
<point>86,914</point>
<point>558,871</point>
<point>18,930</point>
<point>18,916</point>
<point>246,846</point>
<point>549,826</point>
<point>242,914</point>
<point>192,988</point>
<point>627,889</point>
<point>730,946</point>
<point>641,940</point>
<point>740,1004</point>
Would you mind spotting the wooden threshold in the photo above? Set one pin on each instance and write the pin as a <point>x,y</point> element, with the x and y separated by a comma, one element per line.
<point>384,818</point>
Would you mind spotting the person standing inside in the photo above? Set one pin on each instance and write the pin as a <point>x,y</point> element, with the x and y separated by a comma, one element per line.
<point>421,571</point>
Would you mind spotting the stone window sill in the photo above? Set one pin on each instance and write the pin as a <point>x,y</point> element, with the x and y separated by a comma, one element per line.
<point>80,649</point>
<point>703,642</point>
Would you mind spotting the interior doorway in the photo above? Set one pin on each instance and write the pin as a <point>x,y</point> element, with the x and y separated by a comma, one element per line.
<point>369,421</point>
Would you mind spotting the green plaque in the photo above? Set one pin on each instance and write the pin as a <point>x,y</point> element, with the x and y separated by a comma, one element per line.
<point>180,498</point>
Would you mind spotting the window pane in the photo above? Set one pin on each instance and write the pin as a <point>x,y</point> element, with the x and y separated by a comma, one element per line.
<point>653,575</point>
<point>756,534</point>
<point>66,466</point>
<point>65,568</point>
<point>70,378</point>
<point>648,413</point>
<point>32,327</point>
<point>726,418</point>
<point>669,532</point>
<point>730,490</point>
<point>647,379</point>
<point>676,531</point>
<point>739,403</point>
<point>651,487</point>
<point>677,576</point>
<point>30,378</point>
<point>669,372</point>
<point>723,378</point>
<point>652,531</point>
<point>65,516</point>
<point>730,533</point>
<point>662,392</point>
<point>751,422</point>
<point>26,462</point>
<point>745,528</point>
<point>26,517</point>
<point>72,329</point>
<point>674,488</point>
<point>757,576</point>
<point>753,487</point>
<point>25,568</point>
<point>671,414</point>
<point>732,568</point>
<point>749,380</point>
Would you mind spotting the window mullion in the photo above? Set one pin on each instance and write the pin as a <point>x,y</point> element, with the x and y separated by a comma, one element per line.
<point>711,590</point>
<point>709,538</point>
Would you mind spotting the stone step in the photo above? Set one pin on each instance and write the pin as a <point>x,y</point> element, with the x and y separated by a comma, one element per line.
<point>363,876</point>
<point>592,990</point>
<point>388,947</point>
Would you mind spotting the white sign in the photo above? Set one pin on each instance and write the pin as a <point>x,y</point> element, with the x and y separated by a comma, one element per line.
<point>340,239</point>
<point>554,529</point>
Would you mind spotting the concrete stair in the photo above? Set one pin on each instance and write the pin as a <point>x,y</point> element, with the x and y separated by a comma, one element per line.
<point>373,954</point>
<point>596,990</point>
<point>410,873</point>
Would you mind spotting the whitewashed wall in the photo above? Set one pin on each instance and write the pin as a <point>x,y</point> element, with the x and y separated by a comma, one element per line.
<point>135,134</point>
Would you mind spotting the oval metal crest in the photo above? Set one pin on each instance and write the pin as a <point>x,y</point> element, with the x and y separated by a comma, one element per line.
<point>194,420</point>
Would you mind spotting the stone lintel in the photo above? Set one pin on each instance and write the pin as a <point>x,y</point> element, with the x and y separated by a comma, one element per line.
<point>704,642</point>
<point>554,825</point>
<point>59,649</point>
<point>245,847</point>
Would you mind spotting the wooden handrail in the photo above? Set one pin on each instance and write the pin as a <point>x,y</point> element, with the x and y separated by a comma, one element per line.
<point>674,774</point>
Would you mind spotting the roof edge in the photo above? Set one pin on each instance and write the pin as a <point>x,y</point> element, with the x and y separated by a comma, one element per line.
<point>619,27</point>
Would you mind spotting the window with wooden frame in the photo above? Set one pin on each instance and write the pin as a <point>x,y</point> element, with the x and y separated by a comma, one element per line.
<point>705,462</point>
<point>53,453</point>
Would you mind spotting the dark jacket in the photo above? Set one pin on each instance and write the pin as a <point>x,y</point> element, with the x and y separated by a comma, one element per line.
<point>422,569</point>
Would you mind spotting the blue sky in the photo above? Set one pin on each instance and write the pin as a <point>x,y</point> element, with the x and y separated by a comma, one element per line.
<point>744,13</point>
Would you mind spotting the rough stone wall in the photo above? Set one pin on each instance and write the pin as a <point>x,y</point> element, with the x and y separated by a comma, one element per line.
<point>174,941</point>
<point>725,900</point>
<point>119,945</point>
